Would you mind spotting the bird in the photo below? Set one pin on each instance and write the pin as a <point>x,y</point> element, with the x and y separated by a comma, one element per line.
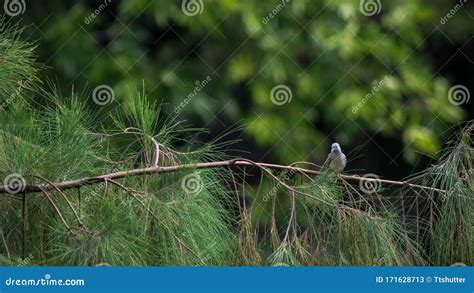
<point>336,160</point>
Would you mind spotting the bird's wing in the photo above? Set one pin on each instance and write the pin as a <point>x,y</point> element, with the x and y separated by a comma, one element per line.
<point>327,162</point>
<point>344,160</point>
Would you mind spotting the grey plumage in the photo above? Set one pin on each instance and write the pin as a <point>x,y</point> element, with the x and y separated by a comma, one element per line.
<point>336,160</point>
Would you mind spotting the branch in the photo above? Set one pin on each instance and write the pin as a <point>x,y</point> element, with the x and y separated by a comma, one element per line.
<point>4,242</point>
<point>61,217</point>
<point>68,202</point>
<point>31,188</point>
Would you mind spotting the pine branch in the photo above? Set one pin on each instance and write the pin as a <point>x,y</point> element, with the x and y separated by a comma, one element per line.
<point>32,188</point>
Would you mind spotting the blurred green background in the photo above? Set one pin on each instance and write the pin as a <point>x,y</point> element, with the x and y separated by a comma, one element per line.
<point>295,75</point>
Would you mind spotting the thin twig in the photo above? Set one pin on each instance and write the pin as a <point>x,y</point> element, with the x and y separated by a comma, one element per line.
<point>292,217</point>
<point>24,215</point>
<point>45,192</point>
<point>237,198</point>
<point>181,243</point>
<point>67,200</point>
<point>4,241</point>
<point>156,153</point>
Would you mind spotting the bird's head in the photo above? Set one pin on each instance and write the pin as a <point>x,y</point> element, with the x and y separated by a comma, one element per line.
<point>335,147</point>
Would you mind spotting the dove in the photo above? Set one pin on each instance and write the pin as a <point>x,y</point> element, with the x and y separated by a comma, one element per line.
<point>336,160</point>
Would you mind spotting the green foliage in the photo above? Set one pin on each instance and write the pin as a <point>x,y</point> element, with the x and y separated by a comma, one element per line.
<point>453,237</point>
<point>328,53</point>
<point>169,228</point>
<point>18,67</point>
<point>192,216</point>
<point>161,224</point>
<point>46,136</point>
<point>364,241</point>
